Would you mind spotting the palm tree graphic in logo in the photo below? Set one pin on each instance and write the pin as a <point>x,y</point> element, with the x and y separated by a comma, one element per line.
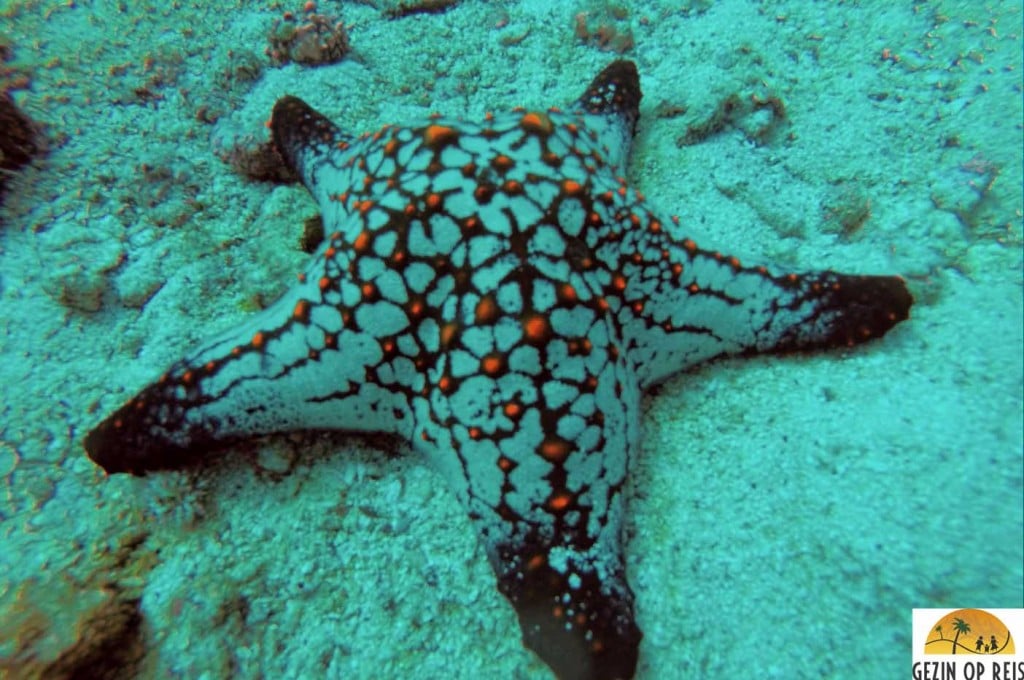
<point>993,637</point>
<point>960,626</point>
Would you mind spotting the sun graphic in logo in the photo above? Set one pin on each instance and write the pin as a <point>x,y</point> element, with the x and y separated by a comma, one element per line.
<point>969,631</point>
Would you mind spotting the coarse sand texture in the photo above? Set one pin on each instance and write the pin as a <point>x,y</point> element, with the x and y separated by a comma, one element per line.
<point>696,328</point>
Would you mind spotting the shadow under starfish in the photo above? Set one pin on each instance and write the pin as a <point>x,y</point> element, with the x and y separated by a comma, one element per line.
<point>496,294</point>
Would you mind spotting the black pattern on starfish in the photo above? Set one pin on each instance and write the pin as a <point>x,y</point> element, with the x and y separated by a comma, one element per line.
<point>498,295</point>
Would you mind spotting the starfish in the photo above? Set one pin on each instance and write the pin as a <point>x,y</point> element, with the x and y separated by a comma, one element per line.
<point>499,296</point>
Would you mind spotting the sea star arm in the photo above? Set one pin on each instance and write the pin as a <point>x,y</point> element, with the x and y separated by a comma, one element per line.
<point>268,375</point>
<point>680,305</point>
<point>611,104</point>
<point>313,147</point>
<point>537,448</point>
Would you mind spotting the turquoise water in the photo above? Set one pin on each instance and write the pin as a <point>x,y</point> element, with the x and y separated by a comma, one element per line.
<point>785,514</point>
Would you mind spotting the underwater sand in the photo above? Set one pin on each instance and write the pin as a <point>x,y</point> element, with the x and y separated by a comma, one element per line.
<point>785,515</point>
